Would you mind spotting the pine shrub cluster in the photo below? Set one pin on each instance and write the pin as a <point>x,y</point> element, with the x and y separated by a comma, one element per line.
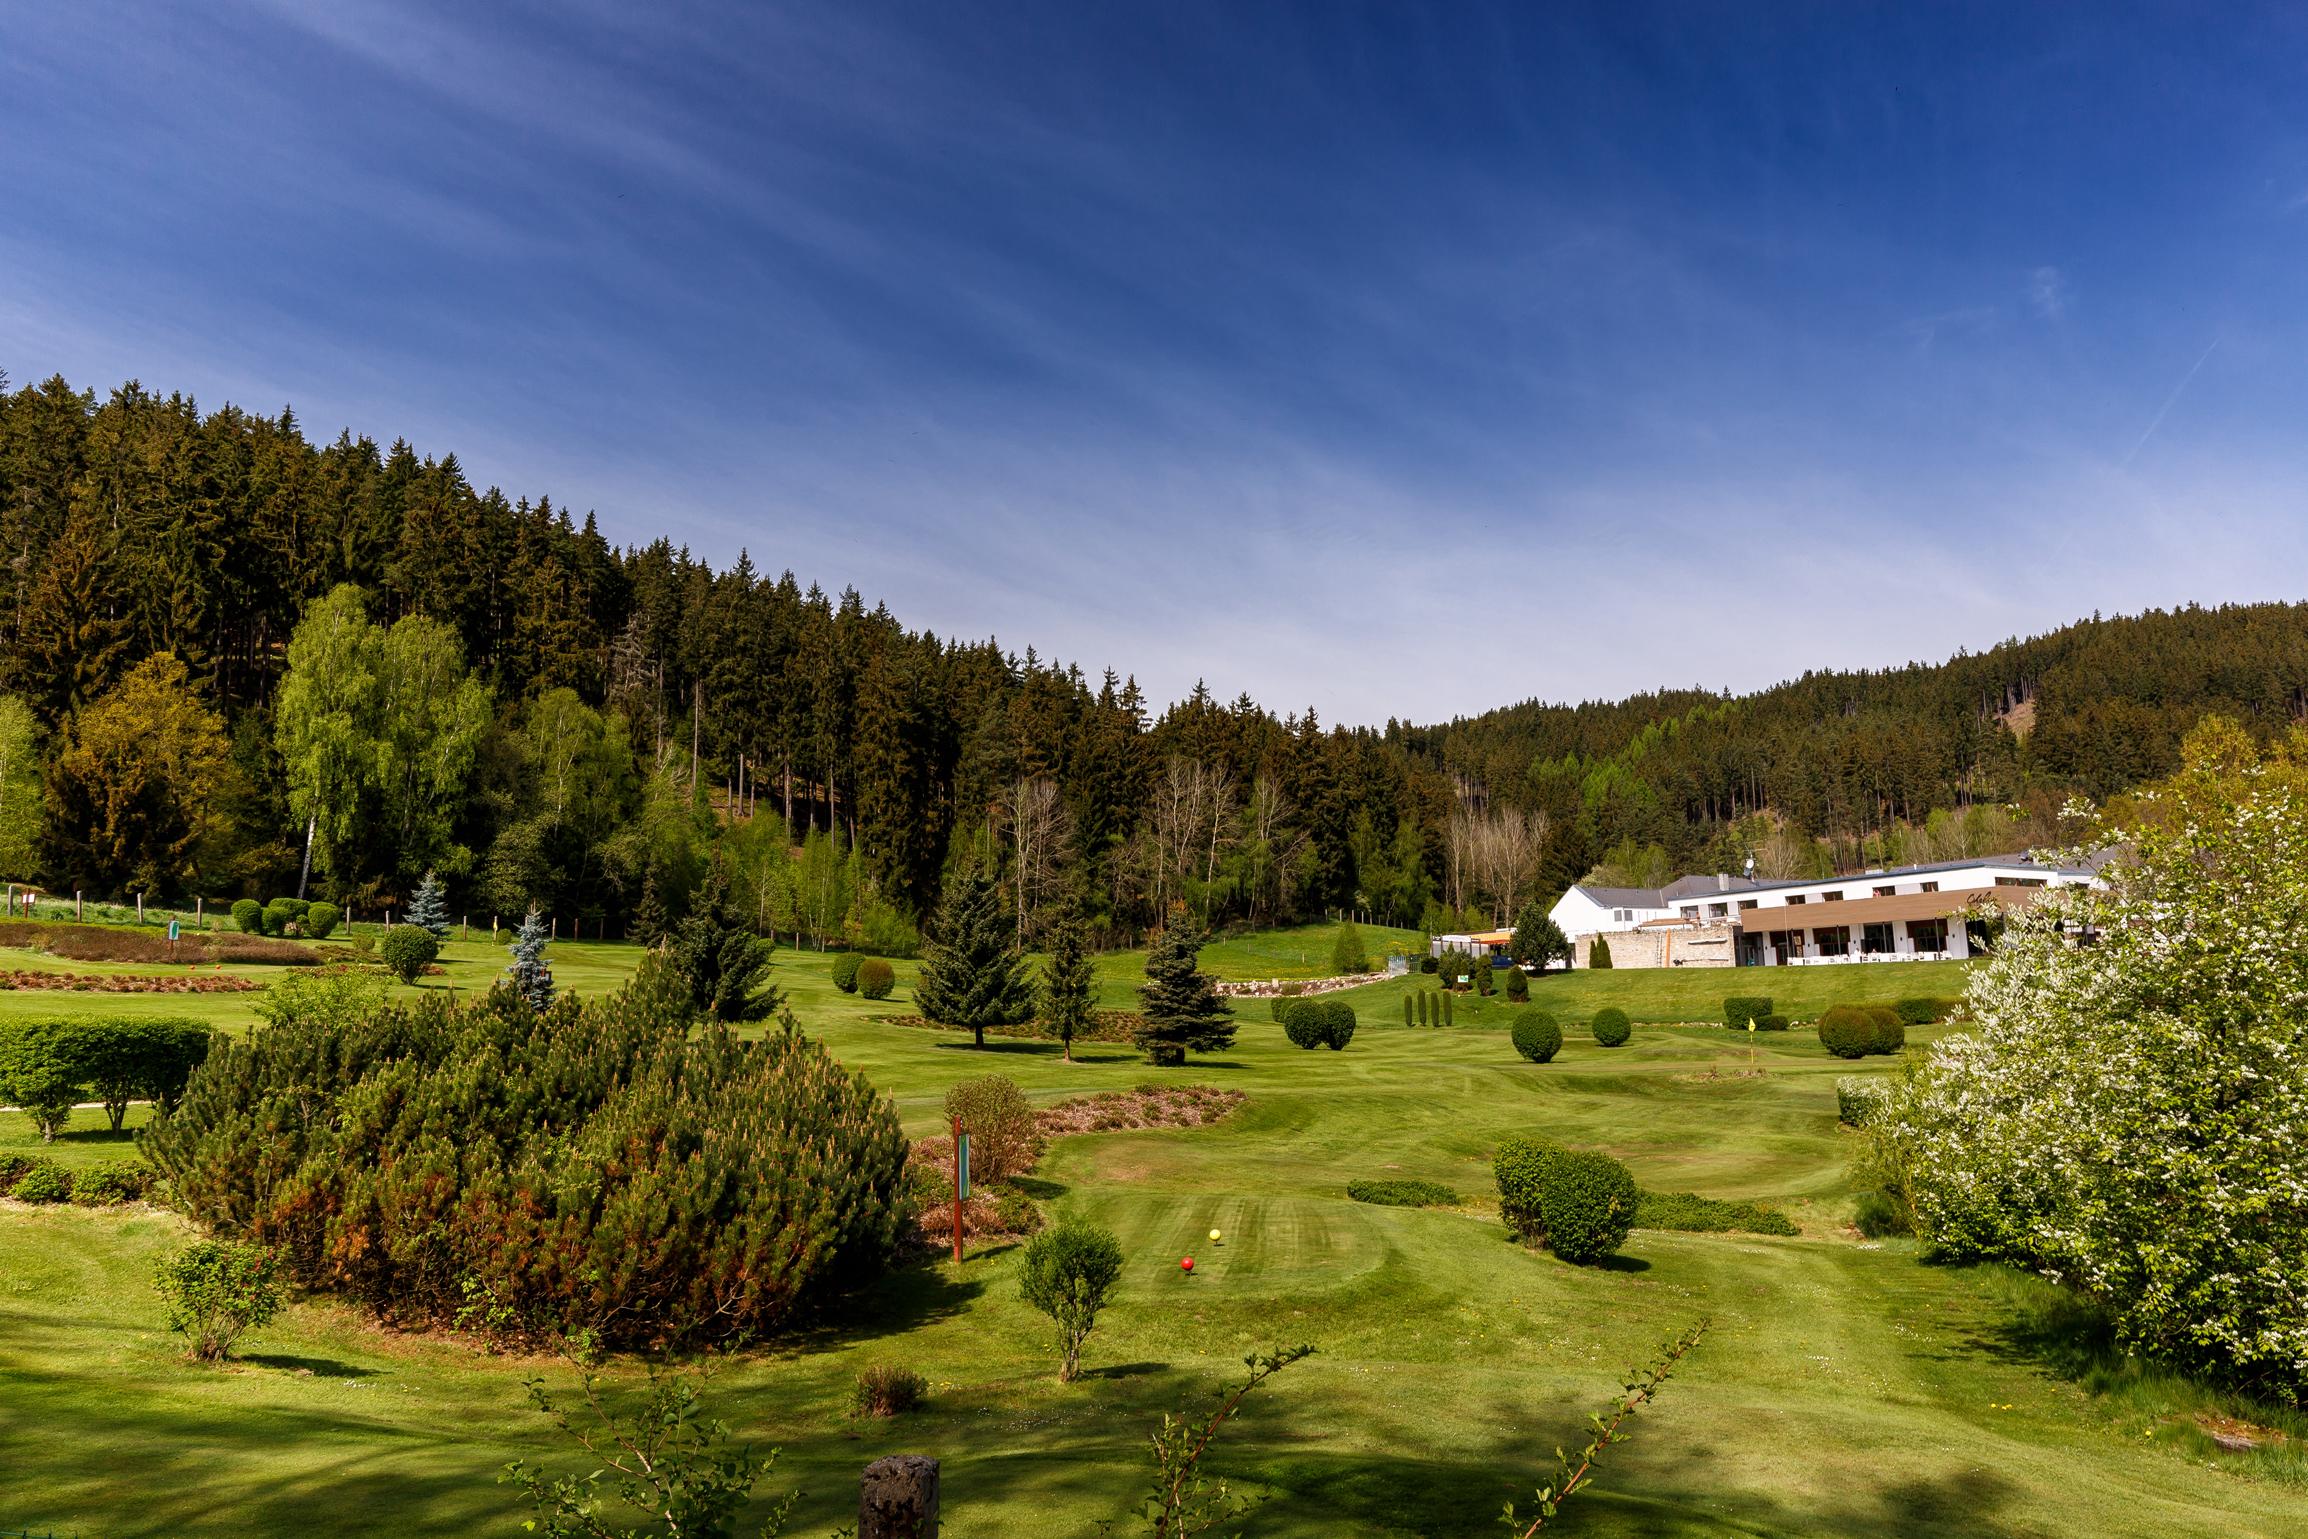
<point>613,1170</point>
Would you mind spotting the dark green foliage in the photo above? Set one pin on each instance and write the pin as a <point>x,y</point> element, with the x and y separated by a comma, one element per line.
<point>1847,1031</point>
<point>1423,1012</point>
<point>429,909</point>
<point>1347,953</point>
<point>43,1181</point>
<point>217,1291</point>
<point>1772,1022</point>
<point>407,950</point>
<point>1483,976</point>
<point>1429,964</point>
<point>1739,1009</point>
<point>1182,1007</point>
<point>42,1072</point>
<point>1455,965</point>
<point>530,973</point>
<point>1070,981</point>
<point>1537,1035</point>
<point>875,978</point>
<point>1598,953</point>
<point>974,975</point>
<point>1879,1215</point>
<point>1312,1023</point>
<point>649,924</point>
<point>1708,1215</point>
<point>115,1182</point>
<point>1066,1272</point>
<point>1611,1026</point>
<point>1409,1013</point>
<point>279,915</point>
<point>1402,1194</point>
<point>1586,1205</point>
<point>610,1166</point>
<point>724,963</point>
<point>322,919</point>
<point>1539,942</point>
<point>1518,985</point>
<point>1446,1009</point>
<point>128,1059</point>
<point>1889,1034</point>
<point>1925,1010</point>
<point>845,968</point>
<point>248,916</point>
<point>1520,1168</point>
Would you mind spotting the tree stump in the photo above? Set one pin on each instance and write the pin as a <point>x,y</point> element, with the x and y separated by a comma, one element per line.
<point>898,1498</point>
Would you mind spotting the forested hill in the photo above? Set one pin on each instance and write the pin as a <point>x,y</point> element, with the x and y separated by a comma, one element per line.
<point>224,647</point>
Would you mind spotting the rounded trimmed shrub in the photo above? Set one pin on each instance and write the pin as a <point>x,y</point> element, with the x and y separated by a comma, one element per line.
<point>1312,1023</point>
<point>1846,1031</point>
<point>1890,1034</point>
<point>1429,963</point>
<point>279,914</point>
<point>1739,1009</point>
<point>1520,1168</point>
<point>407,950</point>
<point>1537,1036</point>
<point>248,916</point>
<point>845,968</point>
<point>1772,1022</point>
<point>1611,1026</point>
<point>875,978</point>
<point>1587,1205</point>
<point>322,919</point>
<point>1518,985</point>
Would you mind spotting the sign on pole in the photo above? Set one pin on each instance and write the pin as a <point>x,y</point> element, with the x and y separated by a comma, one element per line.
<point>172,932</point>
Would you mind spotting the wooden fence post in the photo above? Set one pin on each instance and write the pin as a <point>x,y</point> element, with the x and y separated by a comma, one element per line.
<point>898,1498</point>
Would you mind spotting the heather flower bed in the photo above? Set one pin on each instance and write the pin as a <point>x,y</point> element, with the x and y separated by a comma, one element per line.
<point>107,943</point>
<point>129,983</point>
<point>1105,1026</point>
<point>1148,1106</point>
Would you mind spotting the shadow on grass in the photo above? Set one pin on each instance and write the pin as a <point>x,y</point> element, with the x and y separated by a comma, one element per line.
<point>1126,1371</point>
<point>1040,1189</point>
<point>96,1137</point>
<point>906,1298</point>
<point>316,1367</point>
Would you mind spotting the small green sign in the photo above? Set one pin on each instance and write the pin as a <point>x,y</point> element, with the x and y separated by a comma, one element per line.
<point>962,1165</point>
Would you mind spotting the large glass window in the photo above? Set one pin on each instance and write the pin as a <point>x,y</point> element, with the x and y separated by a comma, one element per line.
<point>1834,940</point>
<point>1875,940</point>
<point>1928,934</point>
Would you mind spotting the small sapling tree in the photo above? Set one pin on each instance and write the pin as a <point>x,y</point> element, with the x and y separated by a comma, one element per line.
<point>1066,1272</point>
<point>1347,954</point>
<point>407,950</point>
<point>532,975</point>
<point>1182,1503</point>
<point>219,1290</point>
<point>429,909</point>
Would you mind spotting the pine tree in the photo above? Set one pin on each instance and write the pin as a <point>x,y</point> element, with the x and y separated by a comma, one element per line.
<point>429,909</point>
<point>648,924</point>
<point>725,964</point>
<point>1070,985</point>
<point>1346,952</point>
<point>1182,1006</point>
<point>973,975</point>
<point>532,975</point>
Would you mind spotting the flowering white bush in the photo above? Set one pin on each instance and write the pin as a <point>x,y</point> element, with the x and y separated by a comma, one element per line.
<point>2131,1115</point>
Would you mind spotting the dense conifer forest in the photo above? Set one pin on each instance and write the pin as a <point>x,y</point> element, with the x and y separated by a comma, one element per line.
<point>234,661</point>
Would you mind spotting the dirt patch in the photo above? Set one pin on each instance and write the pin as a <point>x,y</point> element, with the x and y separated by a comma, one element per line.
<point>1148,1106</point>
<point>2234,1436</point>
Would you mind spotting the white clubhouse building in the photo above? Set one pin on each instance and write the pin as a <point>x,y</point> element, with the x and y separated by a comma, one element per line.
<point>1909,913</point>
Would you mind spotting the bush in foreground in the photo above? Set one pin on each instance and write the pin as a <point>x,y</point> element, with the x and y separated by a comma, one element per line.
<point>248,916</point>
<point>1312,1023</point>
<point>219,1290</point>
<point>1611,1026</point>
<point>1520,1168</point>
<point>1858,1098</point>
<point>875,978</point>
<point>1066,1272</point>
<point>321,920</point>
<point>1586,1206</point>
<point>407,950</point>
<point>42,1181</point>
<point>1537,1036</point>
<point>763,1174</point>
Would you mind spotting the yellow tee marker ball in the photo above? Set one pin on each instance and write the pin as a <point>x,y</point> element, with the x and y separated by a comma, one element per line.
<point>1214,1237</point>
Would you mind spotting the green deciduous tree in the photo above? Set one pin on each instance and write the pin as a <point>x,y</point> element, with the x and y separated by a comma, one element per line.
<point>219,1290</point>
<point>973,976</point>
<point>1067,1272</point>
<point>21,807</point>
<point>133,791</point>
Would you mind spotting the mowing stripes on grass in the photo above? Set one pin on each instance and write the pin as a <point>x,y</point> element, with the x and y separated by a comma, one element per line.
<point>1708,1215</point>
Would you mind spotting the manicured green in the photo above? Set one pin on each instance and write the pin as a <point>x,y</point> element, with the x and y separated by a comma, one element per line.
<point>1844,1389</point>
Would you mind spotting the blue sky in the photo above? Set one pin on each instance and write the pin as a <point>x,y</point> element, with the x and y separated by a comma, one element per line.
<point>1397,360</point>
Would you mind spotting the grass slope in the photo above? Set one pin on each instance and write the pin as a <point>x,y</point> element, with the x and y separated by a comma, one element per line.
<point>1845,1390</point>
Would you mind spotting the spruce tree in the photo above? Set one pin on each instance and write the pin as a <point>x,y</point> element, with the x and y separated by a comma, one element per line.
<point>1070,985</point>
<point>1346,951</point>
<point>973,975</point>
<point>648,924</point>
<point>429,909</point>
<point>1182,1006</point>
<point>725,964</point>
<point>532,975</point>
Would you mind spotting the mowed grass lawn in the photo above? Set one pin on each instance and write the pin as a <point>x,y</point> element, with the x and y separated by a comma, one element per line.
<point>1843,1389</point>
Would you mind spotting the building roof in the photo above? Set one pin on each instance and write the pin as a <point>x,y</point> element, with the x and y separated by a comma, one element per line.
<point>1884,874</point>
<point>1622,897</point>
<point>1891,910</point>
<point>1703,886</point>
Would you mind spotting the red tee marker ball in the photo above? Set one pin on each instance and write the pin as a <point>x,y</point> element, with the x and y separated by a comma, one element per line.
<point>1186,1263</point>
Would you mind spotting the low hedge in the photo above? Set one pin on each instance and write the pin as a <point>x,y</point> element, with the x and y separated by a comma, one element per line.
<point>1771,1022</point>
<point>1402,1194</point>
<point>1693,1214</point>
<point>1739,1009</point>
<point>1537,1036</point>
<point>1611,1026</point>
<point>1313,1023</point>
<point>875,978</point>
<point>1925,1010</point>
<point>845,968</point>
<point>42,1181</point>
